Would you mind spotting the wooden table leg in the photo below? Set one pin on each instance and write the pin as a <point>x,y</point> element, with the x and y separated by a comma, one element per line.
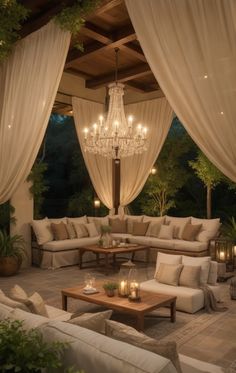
<point>64,302</point>
<point>81,252</point>
<point>140,323</point>
<point>173,311</point>
<point>106,264</point>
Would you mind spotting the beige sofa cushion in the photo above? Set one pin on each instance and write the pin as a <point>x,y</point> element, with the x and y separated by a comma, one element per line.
<point>118,225</point>
<point>204,262</point>
<point>92,321</point>
<point>166,232</point>
<point>80,230</point>
<point>99,221</point>
<point>178,224</point>
<point>130,335</point>
<point>30,320</point>
<point>12,303</point>
<point>92,230</point>
<point>79,220</point>
<point>42,230</point>
<point>169,274</point>
<point>194,246</point>
<point>190,276</point>
<point>167,259</point>
<point>70,244</point>
<point>154,224</point>
<point>130,220</point>
<point>98,353</point>
<point>209,229</point>
<point>5,311</point>
<point>71,231</point>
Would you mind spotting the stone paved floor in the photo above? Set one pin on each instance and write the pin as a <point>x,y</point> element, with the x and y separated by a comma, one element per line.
<point>215,344</point>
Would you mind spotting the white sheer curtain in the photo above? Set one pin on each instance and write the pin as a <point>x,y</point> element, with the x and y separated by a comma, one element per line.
<point>191,49</point>
<point>157,116</point>
<point>99,168</point>
<point>29,80</point>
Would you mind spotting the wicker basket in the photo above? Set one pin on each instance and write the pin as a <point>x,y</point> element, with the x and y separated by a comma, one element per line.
<point>233,288</point>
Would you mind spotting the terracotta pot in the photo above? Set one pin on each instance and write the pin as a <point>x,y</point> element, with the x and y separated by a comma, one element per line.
<point>110,293</point>
<point>9,265</point>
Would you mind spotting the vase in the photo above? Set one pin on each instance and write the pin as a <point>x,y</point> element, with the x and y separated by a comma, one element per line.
<point>106,240</point>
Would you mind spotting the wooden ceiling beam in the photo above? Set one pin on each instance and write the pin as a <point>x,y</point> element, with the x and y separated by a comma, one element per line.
<point>133,52</point>
<point>108,5</point>
<point>92,31</point>
<point>123,76</point>
<point>120,37</point>
<point>43,18</point>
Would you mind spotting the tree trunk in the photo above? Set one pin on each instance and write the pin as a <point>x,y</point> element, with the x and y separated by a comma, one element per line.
<point>208,202</point>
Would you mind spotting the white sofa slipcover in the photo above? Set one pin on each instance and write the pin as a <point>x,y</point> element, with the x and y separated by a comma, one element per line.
<point>95,352</point>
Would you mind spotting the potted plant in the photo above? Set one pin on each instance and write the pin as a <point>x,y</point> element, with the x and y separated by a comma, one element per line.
<point>229,229</point>
<point>12,251</point>
<point>26,352</point>
<point>110,288</point>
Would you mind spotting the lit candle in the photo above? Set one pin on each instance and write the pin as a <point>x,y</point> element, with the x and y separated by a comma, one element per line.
<point>139,127</point>
<point>86,133</point>
<point>222,255</point>
<point>133,290</point>
<point>123,288</point>
<point>95,127</point>
<point>130,120</point>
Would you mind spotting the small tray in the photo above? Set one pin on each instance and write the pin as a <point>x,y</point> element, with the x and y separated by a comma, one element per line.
<point>92,291</point>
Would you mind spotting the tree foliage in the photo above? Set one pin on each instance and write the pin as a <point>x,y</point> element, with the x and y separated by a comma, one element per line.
<point>160,190</point>
<point>38,187</point>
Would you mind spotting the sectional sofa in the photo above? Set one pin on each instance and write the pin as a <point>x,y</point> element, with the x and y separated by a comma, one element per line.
<point>94,352</point>
<point>163,234</point>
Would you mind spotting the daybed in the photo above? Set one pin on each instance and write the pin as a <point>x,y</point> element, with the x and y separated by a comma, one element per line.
<point>94,352</point>
<point>188,289</point>
<point>163,234</point>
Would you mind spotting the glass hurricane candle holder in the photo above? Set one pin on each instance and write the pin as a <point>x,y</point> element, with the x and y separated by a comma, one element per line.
<point>123,288</point>
<point>134,291</point>
<point>89,281</point>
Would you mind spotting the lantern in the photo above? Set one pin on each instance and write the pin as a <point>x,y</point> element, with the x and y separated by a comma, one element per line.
<point>124,278</point>
<point>134,286</point>
<point>224,252</point>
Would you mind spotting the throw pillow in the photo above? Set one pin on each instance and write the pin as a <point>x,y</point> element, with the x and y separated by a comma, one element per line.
<point>130,219</point>
<point>204,262</point>
<point>166,232</point>
<point>92,321</point>
<point>178,223</point>
<point>168,259</point>
<point>190,276</point>
<point>117,225</point>
<point>92,230</point>
<point>153,229</point>
<point>209,229</point>
<point>80,230</point>
<point>139,228</point>
<point>127,334</point>
<point>36,304</point>
<point>59,231</point>
<point>169,274</point>
<point>12,303</point>
<point>70,231</point>
<point>42,230</point>
<point>18,294</point>
<point>191,231</point>
<point>98,222</point>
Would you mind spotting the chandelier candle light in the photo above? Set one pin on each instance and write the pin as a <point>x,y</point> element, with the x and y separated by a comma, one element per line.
<point>116,136</point>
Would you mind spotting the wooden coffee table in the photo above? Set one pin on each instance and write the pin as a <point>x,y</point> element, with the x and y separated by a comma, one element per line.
<point>112,251</point>
<point>149,302</point>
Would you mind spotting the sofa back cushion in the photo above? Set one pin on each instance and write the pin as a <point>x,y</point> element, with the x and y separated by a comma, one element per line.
<point>118,225</point>
<point>71,231</point>
<point>153,229</point>
<point>42,230</point>
<point>92,321</point>
<point>178,224</point>
<point>167,259</point>
<point>79,220</point>
<point>80,230</point>
<point>169,274</point>
<point>99,221</point>
<point>190,276</point>
<point>92,230</point>
<point>209,228</point>
<point>204,262</point>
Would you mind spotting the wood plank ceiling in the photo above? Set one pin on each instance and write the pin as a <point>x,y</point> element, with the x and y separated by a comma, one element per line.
<point>109,27</point>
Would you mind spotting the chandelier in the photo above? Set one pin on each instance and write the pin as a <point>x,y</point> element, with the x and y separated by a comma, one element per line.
<point>116,136</point>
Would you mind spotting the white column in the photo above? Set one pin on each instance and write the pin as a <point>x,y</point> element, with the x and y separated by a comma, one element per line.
<point>23,203</point>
